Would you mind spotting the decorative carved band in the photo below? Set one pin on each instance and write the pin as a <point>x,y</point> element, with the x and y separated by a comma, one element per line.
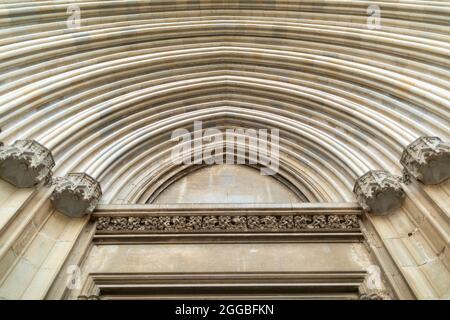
<point>269,223</point>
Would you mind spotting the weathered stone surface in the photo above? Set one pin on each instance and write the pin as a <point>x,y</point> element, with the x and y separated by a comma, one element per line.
<point>375,295</point>
<point>91,297</point>
<point>25,163</point>
<point>227,184</point>
<point>373,287</point>
<point>185,264</point>
<point>76,194</point>
<point>427,159</point>
<point>379,192</point>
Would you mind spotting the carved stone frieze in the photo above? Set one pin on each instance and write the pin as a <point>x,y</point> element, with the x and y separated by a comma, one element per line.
<point>226,223</point>
<point>427,159</point>
<point>25,163</point>
<point>76,194</point>
<point>379,192</point>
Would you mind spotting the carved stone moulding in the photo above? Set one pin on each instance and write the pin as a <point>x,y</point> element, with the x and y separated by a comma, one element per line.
<point>427,159</point>
<point>221,223</point>
<point>25,163</point>
<point>92,297</point>
<point>375,295</point>
<point>373,286</point>
<point>379,192</point>
<point>76,194</point>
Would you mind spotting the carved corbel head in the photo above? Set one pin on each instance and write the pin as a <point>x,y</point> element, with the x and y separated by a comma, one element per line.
<point>427,159</point>
<point>379,192</point>
<point>76,194</point>
<point>25,163</point>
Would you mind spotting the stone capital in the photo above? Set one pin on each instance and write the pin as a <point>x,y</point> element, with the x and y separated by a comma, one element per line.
<point>91,297</point>
<point>427,159</point>
<point>25,163</point>
<point>76,194</point>
<point>373,288</point>
<point>374,295</point>
<point>379,191</point>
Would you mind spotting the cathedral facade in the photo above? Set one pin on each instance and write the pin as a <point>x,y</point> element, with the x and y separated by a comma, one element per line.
<point>224,149</point>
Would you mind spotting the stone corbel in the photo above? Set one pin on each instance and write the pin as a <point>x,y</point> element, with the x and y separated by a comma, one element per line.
<point>379,192</point>
<point>25,163</point>
<point>76,194</point>
<point>427,160</point>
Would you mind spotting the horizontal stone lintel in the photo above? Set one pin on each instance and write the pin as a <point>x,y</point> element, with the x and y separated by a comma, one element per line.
<point>333,284</point>
<point>278,209</point>
<point>114,238</point>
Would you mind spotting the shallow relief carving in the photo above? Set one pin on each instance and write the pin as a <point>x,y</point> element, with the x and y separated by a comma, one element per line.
<point>373,286</point>
<point>227,223</point>
<point>76,194</point>
<point>375,295</point>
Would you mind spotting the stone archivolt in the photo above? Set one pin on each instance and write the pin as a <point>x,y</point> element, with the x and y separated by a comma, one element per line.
<point>335,88</point>
<point>26,163</point>
<point>107,96</point>
<point>227,223</point>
